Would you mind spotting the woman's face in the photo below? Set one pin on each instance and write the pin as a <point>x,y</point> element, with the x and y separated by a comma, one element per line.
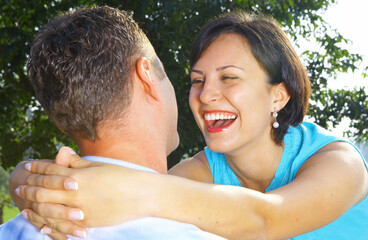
<point>230,96</point>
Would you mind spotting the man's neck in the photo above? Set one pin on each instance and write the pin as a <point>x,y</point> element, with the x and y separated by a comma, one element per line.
<point>138,150</point>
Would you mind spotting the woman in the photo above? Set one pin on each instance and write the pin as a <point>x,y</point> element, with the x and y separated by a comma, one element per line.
<point>290,179</point>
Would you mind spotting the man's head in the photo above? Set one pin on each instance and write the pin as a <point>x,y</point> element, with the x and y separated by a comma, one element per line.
<point>81,66</point>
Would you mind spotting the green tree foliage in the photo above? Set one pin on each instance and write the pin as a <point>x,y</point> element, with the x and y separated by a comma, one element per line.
<point>171,26</point>
<point>5,199</point>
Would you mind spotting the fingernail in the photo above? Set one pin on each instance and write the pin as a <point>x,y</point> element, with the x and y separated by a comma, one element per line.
<point>71,185</point>
<point>46,230</point>
<point>24,214</point>
<point>80,234</point>
<point>28,166</point>
<point>17,191</point>
<point>71,150</point>
<point>76,215</point>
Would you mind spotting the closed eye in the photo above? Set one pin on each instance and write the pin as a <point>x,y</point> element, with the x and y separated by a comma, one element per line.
<point>225,77</point>
<point>196,81</point>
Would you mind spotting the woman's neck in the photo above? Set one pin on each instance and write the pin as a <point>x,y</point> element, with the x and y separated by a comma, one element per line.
<point>255,165</point>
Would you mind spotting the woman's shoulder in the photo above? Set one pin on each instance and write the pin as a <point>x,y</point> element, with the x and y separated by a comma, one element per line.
<point>339,159</point>
<point>306,143</point>
<point>195,168</point>
<point>306,139</point>
<point>315,139</point>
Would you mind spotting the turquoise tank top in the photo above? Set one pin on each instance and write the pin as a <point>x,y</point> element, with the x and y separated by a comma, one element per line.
<point>301,142</point>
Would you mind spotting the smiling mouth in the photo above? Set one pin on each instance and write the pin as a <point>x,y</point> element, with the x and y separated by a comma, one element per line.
<point>218,121</point>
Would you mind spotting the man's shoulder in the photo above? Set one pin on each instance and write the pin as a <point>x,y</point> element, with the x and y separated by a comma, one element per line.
<point>20,228</point>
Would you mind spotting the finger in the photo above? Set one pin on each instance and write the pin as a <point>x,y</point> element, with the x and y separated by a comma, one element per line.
<point>47,168</point>
<point>57,211</point>
<point>78,162</point>
<point>67,157</point>
<point>58,236</point>
<point>64,156</point>
<point>70,229</point>
<point>43,195</point>
<point>37,224</point>
<point>53,233</point>
<point>35,219</point>
<point>56,226</point>
<point>52,182</point>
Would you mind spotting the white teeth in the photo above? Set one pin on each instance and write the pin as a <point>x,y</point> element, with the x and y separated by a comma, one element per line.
<point>218,116</point>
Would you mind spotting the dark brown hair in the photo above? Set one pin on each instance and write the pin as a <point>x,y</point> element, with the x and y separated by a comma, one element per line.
<point>273,51</point>
<point>80,66</point>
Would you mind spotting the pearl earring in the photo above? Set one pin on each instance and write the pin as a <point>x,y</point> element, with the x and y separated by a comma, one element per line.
<point>275,124</point>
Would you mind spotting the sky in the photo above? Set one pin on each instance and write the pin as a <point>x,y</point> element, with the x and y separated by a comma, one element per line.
<point>350,18</point>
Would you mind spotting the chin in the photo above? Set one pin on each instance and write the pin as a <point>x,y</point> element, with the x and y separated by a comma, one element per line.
<point>219,147</point>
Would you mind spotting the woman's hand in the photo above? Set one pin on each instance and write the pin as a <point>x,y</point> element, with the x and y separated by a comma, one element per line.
<point>21,176</point>
<point>57,226</point>
<point>18,177</point>
<point>99,196</point>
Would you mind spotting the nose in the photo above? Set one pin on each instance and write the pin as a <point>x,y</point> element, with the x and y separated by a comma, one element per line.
<point>210,92</point>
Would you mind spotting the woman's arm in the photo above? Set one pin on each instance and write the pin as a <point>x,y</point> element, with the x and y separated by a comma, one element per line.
<point>46,190</point>
<point>54,177</point>
<point>326,186</point>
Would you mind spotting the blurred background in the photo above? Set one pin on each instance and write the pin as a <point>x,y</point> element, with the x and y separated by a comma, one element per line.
<point>329,36</point>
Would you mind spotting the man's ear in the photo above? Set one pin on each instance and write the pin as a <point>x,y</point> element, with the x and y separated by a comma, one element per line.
<point>281,97</point>
<point>146,77</point>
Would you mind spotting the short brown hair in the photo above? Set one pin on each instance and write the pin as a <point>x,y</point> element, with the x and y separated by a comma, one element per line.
<point>80,66</point>
<point>273,51</point>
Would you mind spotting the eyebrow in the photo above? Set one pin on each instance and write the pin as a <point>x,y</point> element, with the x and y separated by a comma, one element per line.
<point>227,66</point>
<point>197,71</point>
<point>217,69</point>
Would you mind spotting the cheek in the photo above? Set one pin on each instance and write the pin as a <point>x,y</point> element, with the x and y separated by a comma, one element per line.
<point>248,103</point>
<point>192,101</point>
<point>239,98</point>
<point>254,110</point>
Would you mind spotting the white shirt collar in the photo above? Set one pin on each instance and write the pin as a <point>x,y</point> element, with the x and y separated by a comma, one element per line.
<point>118,162</point>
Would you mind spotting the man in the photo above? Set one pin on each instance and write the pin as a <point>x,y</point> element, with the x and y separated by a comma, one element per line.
<point>98,78</point>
